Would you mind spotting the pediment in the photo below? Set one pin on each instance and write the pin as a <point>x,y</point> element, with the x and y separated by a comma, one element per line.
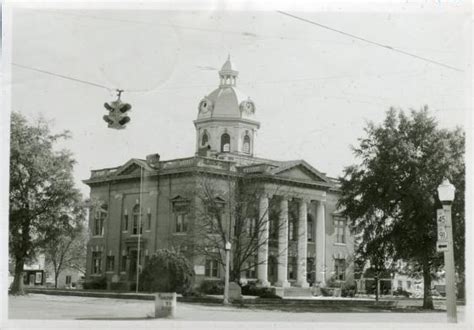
<point>179,198</point>
<point>132,167</point>
<point>301,172</point>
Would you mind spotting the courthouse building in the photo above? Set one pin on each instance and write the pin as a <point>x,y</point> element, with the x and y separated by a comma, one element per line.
<point>312,247</point>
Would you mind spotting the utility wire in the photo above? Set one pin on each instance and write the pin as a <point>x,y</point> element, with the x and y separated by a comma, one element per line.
<point>370,41</point>
<point>78,80</point>
<point>62,76</point>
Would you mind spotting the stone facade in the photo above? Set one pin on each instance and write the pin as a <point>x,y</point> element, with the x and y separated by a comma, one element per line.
<point>312,245</point>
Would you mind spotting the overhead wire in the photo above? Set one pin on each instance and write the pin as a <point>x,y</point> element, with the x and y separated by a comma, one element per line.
<point>62,76</point>
<point>375,43</point>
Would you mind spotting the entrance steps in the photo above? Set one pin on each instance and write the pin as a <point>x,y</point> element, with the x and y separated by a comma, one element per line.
<point>296,292</point>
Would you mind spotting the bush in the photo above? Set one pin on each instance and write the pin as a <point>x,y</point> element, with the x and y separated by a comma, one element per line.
<point>211,287</point>
<point>401,292</point>
<point>327,292</point>
<point>348,290</point>
<point>253,290</point>
<point>167,271</point>
<point>98,283</point>
<point>120,286</point>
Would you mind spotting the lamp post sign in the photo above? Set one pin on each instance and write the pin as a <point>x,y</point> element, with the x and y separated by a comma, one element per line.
<point>442,243</point>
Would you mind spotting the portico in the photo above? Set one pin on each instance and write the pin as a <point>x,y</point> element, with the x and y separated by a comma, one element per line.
<point>314,202</point>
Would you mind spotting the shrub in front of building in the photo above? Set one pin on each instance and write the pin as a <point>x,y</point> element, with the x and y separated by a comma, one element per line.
<point>120,286</point>
<point>253,290</point>
<point>348,290</point>
<point>167,271</point>
<point>211,287</point>
<point>97,283</point>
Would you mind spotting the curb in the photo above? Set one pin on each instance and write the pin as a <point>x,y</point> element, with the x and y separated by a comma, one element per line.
<point>214,300</point>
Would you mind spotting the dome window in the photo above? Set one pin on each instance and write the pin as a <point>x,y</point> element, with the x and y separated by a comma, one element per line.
<point>246,146</point>
<point>225,142</point>
<point>205,139</point>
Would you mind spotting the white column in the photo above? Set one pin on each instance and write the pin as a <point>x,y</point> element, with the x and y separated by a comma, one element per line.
<point>302,243</point>
<point>262,227</point>
<point>283,245</point>
<point>321,244</point>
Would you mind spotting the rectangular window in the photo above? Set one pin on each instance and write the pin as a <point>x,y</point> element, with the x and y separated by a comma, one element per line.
<point>310,230</point>
<point>125,222</point>
<point>148,221</point>
<point>340,269</point>
<point>340,228</point>
<point>211,269</point>
<point>68,279</point>
<point>252,227</point>
<point>110,263</point>
<point>292,268</point>
<point>181,223</point>
<point>137,225</point>
<point>292,230</point>
<point>273,224</point>
<point>400,286</point>
<point>124,264</point>
<point>99,219</point>
<point>96,262</point>
<point>408,285</point>
<point>252,269</point>
<point>98,226</point>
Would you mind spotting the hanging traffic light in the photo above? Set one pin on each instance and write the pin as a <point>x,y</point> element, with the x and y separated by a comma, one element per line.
<point>117,117</point>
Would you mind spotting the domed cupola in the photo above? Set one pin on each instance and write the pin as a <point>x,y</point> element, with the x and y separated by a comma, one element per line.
<point>226,119</point>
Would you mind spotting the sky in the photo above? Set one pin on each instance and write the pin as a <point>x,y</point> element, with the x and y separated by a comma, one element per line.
<point>314,89</point>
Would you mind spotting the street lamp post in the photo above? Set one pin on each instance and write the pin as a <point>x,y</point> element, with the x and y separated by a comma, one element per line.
<point>446,196</point>
<point>392,275</point>
<point>227,271</point>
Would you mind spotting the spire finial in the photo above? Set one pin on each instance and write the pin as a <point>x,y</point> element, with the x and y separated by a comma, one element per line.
<point>228,56</point>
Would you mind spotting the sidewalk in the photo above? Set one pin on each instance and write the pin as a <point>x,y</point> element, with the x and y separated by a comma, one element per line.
<point>46,307</point>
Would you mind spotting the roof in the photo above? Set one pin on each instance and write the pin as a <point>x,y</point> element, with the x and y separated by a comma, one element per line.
<point>227,101</point>
<point>298,171</point>
<point>229,67</point>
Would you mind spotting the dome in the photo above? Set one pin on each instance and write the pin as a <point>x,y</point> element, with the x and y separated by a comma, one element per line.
<point>226,122</point>
<point>227,101</point>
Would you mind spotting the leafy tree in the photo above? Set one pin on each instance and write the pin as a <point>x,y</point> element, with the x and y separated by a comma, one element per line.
<point>67,250</point>
<point>43,199</point>
<point>167,271</point>
<point>391,195</point>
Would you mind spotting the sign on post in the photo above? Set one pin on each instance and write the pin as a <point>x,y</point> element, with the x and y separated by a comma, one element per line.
<point>442,243</point>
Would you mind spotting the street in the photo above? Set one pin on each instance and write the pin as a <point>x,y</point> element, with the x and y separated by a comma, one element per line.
<point>47,307</point>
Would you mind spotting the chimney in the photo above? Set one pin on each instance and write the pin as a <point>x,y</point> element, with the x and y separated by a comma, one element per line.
<point>153,160</point>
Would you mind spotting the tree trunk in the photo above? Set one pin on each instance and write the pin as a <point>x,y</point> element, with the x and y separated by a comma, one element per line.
<point>56,274</point>
<point>17,285</point>
<point>427,299</point>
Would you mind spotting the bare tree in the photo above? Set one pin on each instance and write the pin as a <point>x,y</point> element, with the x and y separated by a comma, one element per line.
<point>228,211</point>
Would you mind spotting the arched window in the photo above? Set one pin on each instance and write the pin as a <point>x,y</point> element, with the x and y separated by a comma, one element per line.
<point>136,217</point>
<point>246,147</point>
<point>225,142</point>
<point>204,139</point>
<point>99,220</point>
